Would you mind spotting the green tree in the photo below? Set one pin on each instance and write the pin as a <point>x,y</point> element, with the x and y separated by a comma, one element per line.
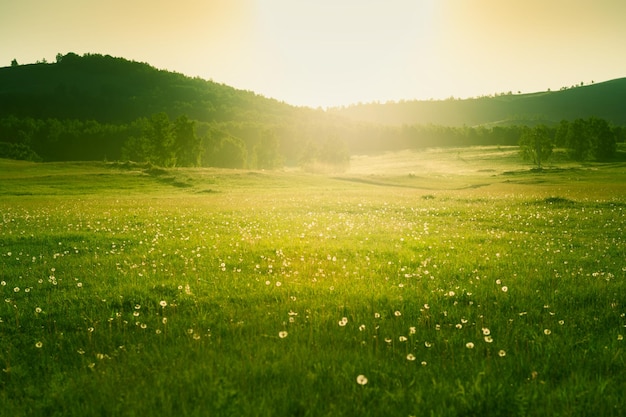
<point>536,145</point>
<point>603,139</point>
<point>187,147</point>
<point>224,151</point>
<point>160,136</point>
<point>266,151</point>
<point>154,143</point>
<point>136,149</point>
<point>560,136</point>
<point>578,140</point>
<point>14,63</point>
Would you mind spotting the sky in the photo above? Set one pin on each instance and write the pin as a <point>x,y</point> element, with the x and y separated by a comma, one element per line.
<point>324,53</point>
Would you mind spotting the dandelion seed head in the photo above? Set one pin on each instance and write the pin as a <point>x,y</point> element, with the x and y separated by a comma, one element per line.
<point>547,331</point>
<point>502,353</point>
<point>469,345</point>
<point>38,345</point>
<point>486,331</point>
<point>488,339</point>
<point>361,380</point>
<point>397,313</point>
<point>163,303</point>
<point>282,334</point>
<point>410,357</point>
<point>505,288</point>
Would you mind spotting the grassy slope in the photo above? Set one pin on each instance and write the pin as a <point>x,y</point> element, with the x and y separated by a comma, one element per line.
<point>422,253</point>
<point>604,100</point>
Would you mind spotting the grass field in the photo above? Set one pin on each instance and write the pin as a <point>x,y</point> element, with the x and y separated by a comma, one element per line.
<point>450,282</point>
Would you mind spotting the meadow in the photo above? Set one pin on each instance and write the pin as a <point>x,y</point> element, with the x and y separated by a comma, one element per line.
<point>446,282</point>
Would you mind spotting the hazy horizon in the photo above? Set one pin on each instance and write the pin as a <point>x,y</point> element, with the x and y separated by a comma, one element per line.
<point>333,53</point>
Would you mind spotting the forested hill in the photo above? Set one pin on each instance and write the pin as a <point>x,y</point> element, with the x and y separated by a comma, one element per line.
<point>606,100</point>
<point>115,90</point>
<point>96,107</point>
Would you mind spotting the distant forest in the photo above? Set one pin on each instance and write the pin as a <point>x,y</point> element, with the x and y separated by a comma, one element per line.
<point>96,107</point>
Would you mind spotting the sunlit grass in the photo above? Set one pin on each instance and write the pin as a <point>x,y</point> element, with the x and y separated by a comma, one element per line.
<point>290,294</point>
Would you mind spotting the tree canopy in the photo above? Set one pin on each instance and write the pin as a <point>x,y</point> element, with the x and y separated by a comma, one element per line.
<point>536,145</point>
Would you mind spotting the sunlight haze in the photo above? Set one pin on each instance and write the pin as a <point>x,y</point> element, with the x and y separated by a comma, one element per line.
<point>337,52</point>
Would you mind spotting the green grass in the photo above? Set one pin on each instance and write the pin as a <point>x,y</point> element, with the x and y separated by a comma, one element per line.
<point>456,285</point>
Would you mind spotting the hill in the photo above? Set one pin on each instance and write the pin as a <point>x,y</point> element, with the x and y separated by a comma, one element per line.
<point>115,90</point>
<point>89,107</point>
<point>605,100</point>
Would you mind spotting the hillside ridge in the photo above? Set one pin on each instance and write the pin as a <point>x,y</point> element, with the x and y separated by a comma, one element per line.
<point>604,100</point>
<point>108,89</point>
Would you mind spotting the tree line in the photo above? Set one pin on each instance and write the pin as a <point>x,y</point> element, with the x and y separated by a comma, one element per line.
<point>583,139</point>
<point>164,142</point>
<point>181,141</point>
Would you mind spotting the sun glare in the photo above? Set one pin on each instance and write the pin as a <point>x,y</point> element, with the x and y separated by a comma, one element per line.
<point>346,50</point>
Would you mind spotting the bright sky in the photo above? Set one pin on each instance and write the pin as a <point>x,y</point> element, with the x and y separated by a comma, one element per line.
<point>337,52</point>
